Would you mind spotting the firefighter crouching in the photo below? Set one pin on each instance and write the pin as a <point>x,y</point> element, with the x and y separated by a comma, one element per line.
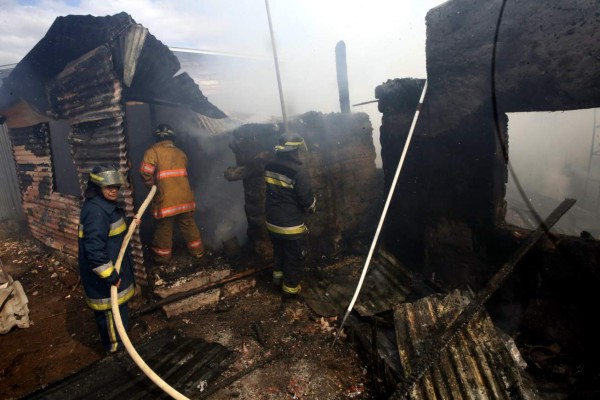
<point>102,228</point>
<point>288,195</point>
<point>165,166</point>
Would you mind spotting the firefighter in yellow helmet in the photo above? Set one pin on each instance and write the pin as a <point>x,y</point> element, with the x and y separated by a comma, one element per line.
<point>165,166</point>
<point>102,228</point>
<point>289,195</point>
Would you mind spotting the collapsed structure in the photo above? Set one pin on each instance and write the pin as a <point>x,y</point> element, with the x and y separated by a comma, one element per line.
<point>65,107</point>
<point>485,59</point>
<point>446,222</point>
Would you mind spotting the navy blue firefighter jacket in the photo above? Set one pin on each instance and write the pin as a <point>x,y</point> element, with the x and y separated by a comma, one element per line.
<point>288,195</point>
<point>102,228</point>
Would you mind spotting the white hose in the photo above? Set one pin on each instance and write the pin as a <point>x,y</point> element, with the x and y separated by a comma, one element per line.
<point>117,315</point>
<point>383,214</point>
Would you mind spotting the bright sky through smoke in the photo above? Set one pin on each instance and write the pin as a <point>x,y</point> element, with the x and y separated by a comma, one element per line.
<point>385,39</point>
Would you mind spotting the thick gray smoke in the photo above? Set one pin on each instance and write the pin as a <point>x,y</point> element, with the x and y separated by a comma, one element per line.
<point>550,153</point>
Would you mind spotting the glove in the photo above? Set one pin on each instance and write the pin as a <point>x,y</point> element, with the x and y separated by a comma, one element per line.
<point>312,210</point>
<point>114,279</point>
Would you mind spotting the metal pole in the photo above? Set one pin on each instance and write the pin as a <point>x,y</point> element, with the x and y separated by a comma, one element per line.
<point>383,214</point>
<point>285,124</point>
<point>342,76</point>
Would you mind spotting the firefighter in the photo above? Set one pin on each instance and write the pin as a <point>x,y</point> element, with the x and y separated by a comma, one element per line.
<point>102,228</point>
<point>165,166</point>
<point>289,195</point>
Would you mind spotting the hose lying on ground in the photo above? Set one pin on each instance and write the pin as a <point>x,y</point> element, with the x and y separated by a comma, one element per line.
<point>117,315</point>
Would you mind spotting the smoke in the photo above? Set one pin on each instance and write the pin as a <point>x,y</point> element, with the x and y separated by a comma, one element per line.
<point>384,40</point>
<point>550,153</point>
<point>220,211</point>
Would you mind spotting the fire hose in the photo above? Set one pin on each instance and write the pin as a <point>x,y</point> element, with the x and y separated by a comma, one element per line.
<point>383,214</point>
<point>117,315</point>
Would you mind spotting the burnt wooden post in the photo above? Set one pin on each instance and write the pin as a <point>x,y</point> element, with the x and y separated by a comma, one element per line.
<point>342,76</point>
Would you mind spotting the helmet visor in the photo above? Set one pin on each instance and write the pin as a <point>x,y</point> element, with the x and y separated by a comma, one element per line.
<point>108,178</point>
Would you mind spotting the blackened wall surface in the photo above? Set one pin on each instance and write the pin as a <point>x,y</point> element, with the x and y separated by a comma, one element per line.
<point>52,217</point>
<point>456,169</point>
<point>341,161</point>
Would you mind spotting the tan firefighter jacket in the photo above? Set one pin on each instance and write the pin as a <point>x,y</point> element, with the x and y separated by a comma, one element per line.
<point>165,166</point>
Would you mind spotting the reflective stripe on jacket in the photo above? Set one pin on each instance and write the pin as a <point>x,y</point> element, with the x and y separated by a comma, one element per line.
<point>102,229</point>
<point>165,166</point>
<point>288,195</point>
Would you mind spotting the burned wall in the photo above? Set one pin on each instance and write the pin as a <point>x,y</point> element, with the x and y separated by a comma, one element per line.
<point>483,60</point>
<point>52,217</point>
<point>545,59</point>
<point>341,161</point>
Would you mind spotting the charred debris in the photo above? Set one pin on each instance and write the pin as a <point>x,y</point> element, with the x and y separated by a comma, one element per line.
<point>435,276</point>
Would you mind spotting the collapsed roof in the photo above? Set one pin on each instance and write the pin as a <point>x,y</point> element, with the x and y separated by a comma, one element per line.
<point>146,66</point>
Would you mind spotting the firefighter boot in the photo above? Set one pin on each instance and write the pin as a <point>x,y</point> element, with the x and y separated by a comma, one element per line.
<point>290,300</point>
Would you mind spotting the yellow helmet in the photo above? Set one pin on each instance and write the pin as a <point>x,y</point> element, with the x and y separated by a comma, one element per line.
<point>289,142</point>
<point>103,175</point>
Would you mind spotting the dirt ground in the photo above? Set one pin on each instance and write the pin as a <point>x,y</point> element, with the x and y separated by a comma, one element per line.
<point>299,362</point>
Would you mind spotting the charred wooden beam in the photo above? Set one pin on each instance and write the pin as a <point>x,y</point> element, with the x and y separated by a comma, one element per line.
<point>197,290</point>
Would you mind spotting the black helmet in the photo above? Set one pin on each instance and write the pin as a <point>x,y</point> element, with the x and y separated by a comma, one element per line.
<point>164,131</point>
<point>106,175</point>
<point>289,142</point>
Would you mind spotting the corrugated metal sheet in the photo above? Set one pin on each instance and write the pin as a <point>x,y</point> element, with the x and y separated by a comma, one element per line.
<point>475,365</point>
<point>386,284</point>
<point>217,126</point>
<point>10,198</point>
<point>88,94</point>
<point>184,363</point>
<point>132,43</point>
<point>141,57</point>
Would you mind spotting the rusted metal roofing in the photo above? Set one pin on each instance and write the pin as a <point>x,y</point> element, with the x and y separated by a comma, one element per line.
<point>93,105</point>
<point>386,284</point>
<point>140,60</point>
<point>477,364</point>
<point>187,364</point>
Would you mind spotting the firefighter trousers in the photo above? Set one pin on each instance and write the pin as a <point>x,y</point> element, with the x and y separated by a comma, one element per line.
<point>163,236</point>
<point>108,329</point>
<point>288,258</point>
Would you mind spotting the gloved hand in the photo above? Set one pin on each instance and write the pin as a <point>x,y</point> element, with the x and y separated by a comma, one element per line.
<point>114,279</point>
<point>312,210</point>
